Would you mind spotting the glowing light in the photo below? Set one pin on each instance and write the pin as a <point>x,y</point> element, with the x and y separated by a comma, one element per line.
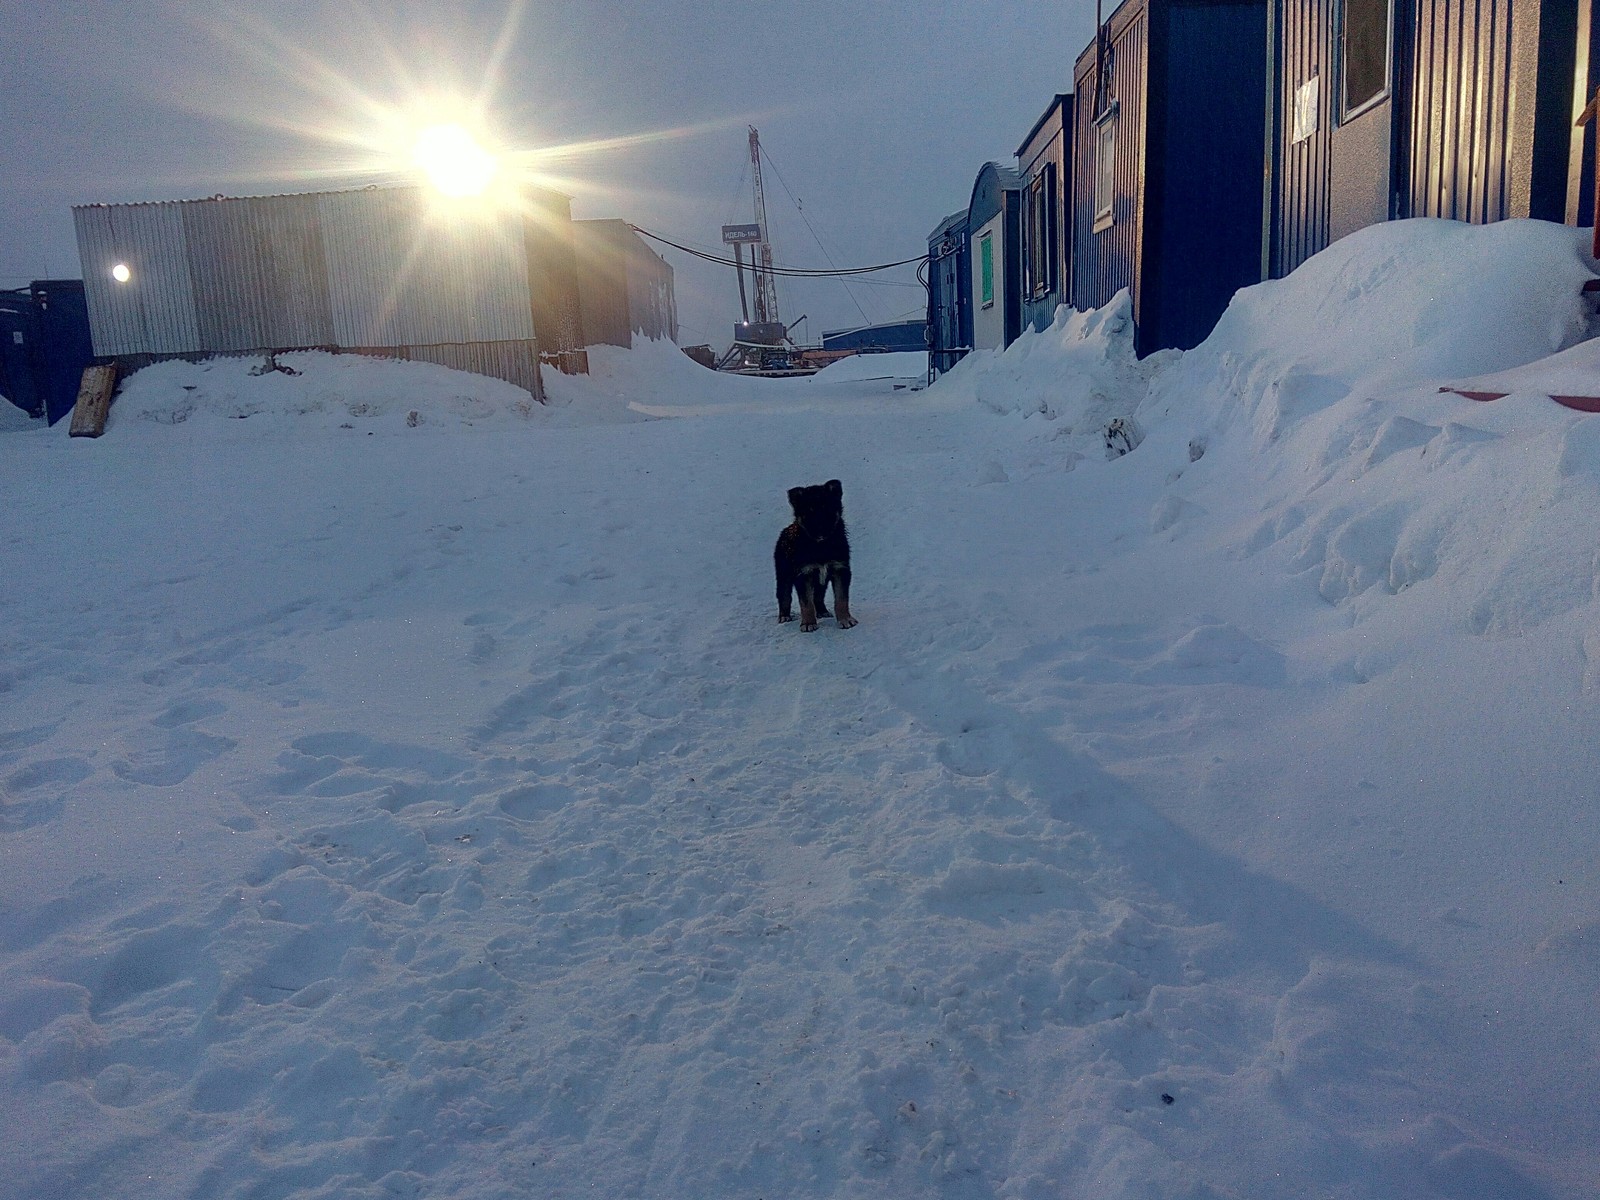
<point>453,161</point>
<point>121,273</point>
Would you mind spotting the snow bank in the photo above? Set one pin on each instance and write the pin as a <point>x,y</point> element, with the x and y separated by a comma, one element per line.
<point>898,365</point>
<point>444,815</point>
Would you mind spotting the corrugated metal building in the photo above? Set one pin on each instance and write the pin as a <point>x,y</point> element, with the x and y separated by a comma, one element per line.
<point>624,287</point>
<point>44,346</point>
<point>1460,109</point>
<point>994,221</point>
<point>890,337</point>
<point>1044,161</point>
<point>382,271</point>
<point>949,294</point>
<point>1169,130</point>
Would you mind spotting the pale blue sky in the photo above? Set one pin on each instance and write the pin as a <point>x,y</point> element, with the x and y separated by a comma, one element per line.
<point>876,115</point>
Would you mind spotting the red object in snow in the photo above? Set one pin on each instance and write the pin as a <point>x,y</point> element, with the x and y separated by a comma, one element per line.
<point>1588,404</point>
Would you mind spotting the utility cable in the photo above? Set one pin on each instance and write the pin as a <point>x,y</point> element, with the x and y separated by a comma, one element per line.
<point>795,272</point>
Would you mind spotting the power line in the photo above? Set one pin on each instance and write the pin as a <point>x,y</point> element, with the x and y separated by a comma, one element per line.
<point>795,200</point>
<point>794,272</point>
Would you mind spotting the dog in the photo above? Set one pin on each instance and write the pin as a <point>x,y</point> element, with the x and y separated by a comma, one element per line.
<point>812,553</point>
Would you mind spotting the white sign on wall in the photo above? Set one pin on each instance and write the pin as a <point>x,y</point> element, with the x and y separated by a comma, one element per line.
<point>1307,104</point>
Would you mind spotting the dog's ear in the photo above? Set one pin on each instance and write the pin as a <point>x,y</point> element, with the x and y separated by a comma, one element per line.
<point>835,488</point>
<point>794,497</point>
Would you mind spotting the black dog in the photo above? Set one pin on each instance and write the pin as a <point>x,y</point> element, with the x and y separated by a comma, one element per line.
<point>812,553</point>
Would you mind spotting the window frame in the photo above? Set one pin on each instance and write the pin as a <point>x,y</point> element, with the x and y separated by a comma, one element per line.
<point>1105,168</point>
<point>986,269</point>
<point>1348,111</point>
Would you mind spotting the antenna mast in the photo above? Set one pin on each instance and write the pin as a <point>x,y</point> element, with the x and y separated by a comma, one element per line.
<point>766,285</point>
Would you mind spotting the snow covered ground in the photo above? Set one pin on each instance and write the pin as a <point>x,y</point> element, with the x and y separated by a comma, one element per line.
<point>432,806</point>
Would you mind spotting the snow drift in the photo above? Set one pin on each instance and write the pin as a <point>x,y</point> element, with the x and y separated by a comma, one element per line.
<point>443,812</point>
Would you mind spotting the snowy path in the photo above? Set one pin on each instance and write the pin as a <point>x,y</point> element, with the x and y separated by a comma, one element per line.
<point>448,815</point>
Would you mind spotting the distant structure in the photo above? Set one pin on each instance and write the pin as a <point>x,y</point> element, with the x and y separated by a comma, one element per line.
<point>893,336</point>
<point>44,346</point>
<point>624,287</point>
<point>382,271</point>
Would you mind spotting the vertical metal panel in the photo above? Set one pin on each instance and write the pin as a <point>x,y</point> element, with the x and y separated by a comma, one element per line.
<point>259,273</point>
<point>949,293</point>
<point>1104,262</point>
<point>1205,115</point>
<point>1463,83</point>
<point>603,282</point>
<point>652,304</point>
<point>1301,184</point>
<point>154,312</point>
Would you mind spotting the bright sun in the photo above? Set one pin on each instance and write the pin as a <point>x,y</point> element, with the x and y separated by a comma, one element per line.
<point>453,160</point>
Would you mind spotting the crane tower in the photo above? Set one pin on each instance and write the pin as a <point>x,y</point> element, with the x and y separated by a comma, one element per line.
<point>766,287</point>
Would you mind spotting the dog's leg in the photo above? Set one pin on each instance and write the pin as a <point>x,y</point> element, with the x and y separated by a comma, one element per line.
<point>785,598</point>
<point>810,588</point>
<point>840,575</point>
<point>783,569</point>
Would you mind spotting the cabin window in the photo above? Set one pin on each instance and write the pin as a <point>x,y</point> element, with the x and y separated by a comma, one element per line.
<point>1366,48</point>
<point>1041,232</point>
<point>986,268</point>
<point>1105,174</point>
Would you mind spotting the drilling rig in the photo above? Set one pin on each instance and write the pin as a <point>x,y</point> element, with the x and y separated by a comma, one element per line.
<point>761,346</point>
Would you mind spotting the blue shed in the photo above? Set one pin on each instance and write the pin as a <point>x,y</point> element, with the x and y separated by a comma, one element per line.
<point>44,346</point>
<point>994,223</point>
<point>890,337</point>
<point>1044,161</point>
<point>1431,108</point>
<point>1169,150</point>
<point>949,294</point>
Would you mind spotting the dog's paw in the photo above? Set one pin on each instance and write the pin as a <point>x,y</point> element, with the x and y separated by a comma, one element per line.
<point>808,626</point>
<point>785,618</point>
<point>848,622</point>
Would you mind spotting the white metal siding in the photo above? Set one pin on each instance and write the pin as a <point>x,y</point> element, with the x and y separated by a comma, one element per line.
<point>154,311</point>
<point>367,269</point>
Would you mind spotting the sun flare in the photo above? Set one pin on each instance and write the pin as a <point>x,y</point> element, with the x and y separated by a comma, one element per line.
<point>454,161</point>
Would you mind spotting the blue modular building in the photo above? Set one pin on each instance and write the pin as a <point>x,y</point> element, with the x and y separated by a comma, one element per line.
<point>44,346</point>
<point>1044,161</point>
<point>949,293</point>
<point>892,336</point>
<point>1461,109</point>
<point>1168,155</point>
<point>994,224</point>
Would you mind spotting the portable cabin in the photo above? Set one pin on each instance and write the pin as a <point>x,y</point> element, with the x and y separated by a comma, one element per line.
<point>1425,108</point>
<point>624,287</point>
<point>383,271</point>
<point>949,294</point>
<point>995,246</point>
<point>1169,149</point>
<point>1044,161</point>
<point>889,337</point>
<point>44,346</point>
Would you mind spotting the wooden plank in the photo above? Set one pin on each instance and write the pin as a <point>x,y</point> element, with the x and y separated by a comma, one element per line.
<point>94,401</point>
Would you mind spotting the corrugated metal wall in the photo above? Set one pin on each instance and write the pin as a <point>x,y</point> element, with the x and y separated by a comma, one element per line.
<point>1461,115</point>
<point>949,294</point>
<point>1105,262</point>
<point>157,316</point>
<point>1300,192</point>
<point>624,287</point>
<point>1206,119</point>
<point>379,270</point>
